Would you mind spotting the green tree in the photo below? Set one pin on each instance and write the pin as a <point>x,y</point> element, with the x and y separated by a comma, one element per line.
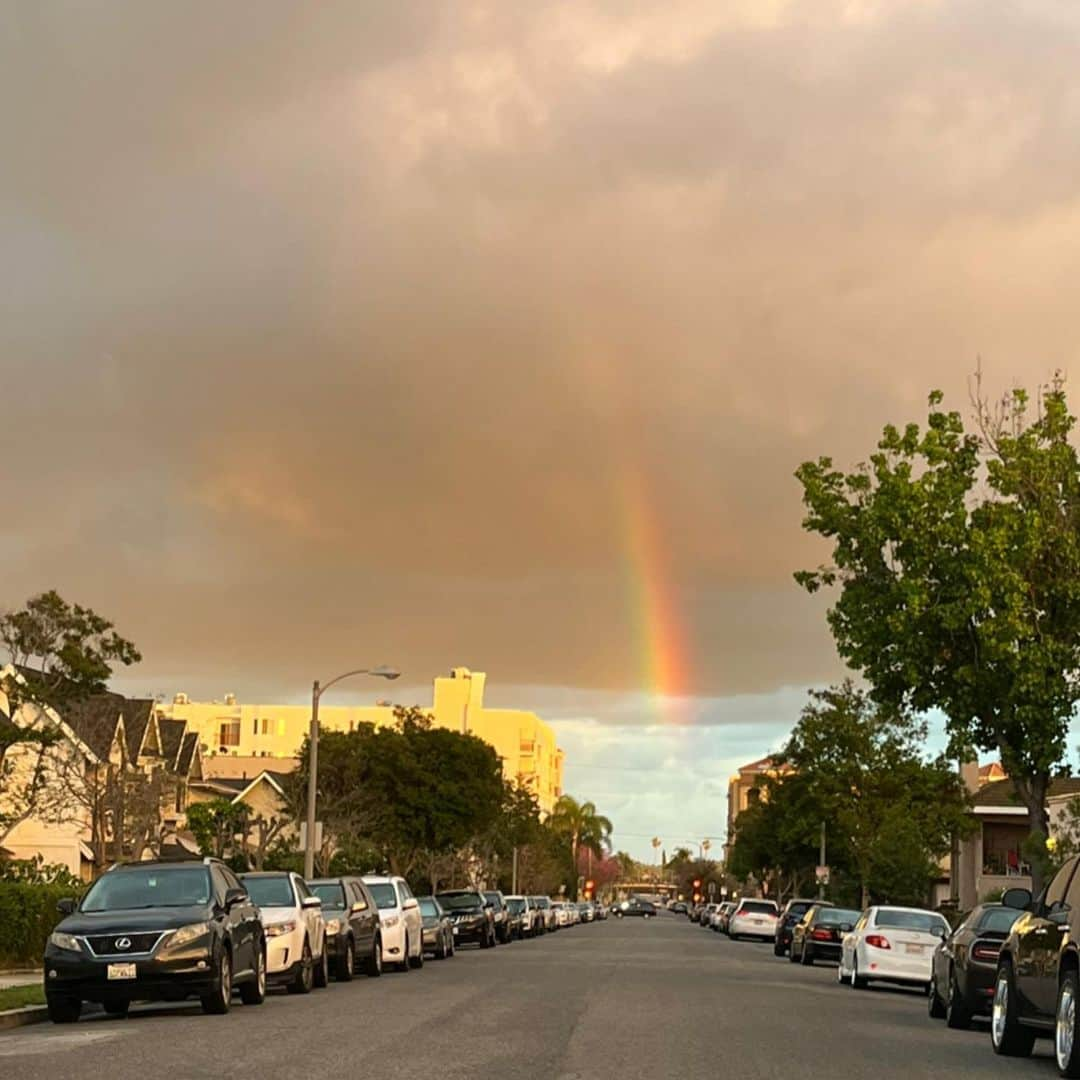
<point>581,824</point>
<point>957,556</point>
<point>216,824</point>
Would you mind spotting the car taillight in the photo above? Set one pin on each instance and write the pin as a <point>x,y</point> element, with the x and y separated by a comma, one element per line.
<point>985,951</point>
<point>821,935</point>
<point>877,941</point>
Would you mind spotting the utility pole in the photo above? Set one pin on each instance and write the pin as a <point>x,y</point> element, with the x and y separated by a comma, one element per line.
<point>312,782</point>
<point>821,862</point>
<point>513,887</point>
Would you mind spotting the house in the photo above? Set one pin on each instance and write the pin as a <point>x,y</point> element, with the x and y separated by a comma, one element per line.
<point>745,788</point>
<point>266,818</point>
<point>112,786</point>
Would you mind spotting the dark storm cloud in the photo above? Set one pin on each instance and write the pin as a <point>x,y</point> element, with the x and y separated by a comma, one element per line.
<point>335,331</point>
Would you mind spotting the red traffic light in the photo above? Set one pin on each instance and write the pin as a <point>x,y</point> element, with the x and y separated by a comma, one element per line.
<point>697,883</point>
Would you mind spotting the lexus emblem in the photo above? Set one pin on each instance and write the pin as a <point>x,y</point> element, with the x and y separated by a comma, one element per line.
<point>123,944</point>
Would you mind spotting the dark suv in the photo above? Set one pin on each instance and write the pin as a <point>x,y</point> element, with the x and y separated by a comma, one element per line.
<point>352,926</point>
<point>156,931</point>
<point>471,916</point>
<point>1037,983</point>
<point>793,912</point>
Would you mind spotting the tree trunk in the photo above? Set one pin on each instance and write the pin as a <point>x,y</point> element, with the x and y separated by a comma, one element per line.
<point>1032,790</point>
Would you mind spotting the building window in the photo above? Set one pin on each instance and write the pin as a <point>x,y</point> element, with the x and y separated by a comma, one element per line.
<point>255,726</point>
<point>266,725</point>
<point>229,733</point>
<point>1002,849</point>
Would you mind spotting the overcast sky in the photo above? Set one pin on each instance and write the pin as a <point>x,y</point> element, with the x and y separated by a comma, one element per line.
<point>465,333</point>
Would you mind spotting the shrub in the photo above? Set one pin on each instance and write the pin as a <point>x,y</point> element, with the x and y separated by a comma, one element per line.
<point>27,917</point>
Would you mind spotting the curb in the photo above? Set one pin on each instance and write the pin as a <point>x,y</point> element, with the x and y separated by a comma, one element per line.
<point>31,1014</point>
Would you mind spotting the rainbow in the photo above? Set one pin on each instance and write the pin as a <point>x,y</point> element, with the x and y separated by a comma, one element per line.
<point>660,639</point>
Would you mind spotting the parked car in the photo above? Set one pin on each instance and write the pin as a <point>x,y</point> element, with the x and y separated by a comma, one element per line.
<point>753,918</point>
<point>472,917</point>
<point>563,914</point>
<point>587,911</point>
<point>401,928</point>
<point>599,911</point>
<point>503,929</point>
<point>723,914</point>
<point>1036,985</point>
<point>527,915</point>
<point>695,912</point>
<point>352,926</point>
<point>707,915</point>
<point>438,928</point>
<point>635,906</point>
<point>819,934</point>
<point>547,913</point>
<point>153,931</point>
<point>792,913</point>
<point>679,908</point>
<point>964,964</point>
<point>891,944</point>
<point>296,956</point>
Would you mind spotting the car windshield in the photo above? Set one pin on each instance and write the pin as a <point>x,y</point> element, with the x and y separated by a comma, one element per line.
<point>384,896</point>
<point>460,901</point>
<point>924,922</point>
<point>270,891</point>
<point>330,893</point>
<point>428,908</point>
<point>543,902</point>
<point>999,920</point>
<point>493,899</point>
<point>757,907</point>
<point>516,907</point>
<point>150,888</point>
<point>836,917</point>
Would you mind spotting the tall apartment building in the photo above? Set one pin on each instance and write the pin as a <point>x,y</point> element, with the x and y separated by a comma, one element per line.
<point>525,744</point>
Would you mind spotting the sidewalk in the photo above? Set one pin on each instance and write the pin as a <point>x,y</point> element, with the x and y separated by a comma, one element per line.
<point>9,979</point>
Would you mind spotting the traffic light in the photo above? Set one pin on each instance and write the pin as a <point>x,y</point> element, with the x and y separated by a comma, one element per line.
<point>590,889</point>
<point>697,890</point>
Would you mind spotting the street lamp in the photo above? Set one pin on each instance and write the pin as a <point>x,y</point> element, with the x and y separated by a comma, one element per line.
<point>317,690</point>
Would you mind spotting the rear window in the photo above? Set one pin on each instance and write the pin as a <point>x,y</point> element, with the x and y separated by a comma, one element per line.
<point>757,907</point>
<point>999,920</point>
<point>836,917</point>
<point>925,922</point>
<point>428,908</point>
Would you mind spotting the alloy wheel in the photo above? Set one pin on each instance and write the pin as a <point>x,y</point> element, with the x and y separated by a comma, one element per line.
<point>1000,1010</point>
<point>226,980</point>
<point>1066,1026</point>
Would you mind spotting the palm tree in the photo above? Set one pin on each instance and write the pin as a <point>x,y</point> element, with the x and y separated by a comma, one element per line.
<point>582,824</point>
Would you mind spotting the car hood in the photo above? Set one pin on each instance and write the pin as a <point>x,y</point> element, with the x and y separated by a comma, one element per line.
<point>128,920</point>
<point>277,914</point>
<point>471,912</point>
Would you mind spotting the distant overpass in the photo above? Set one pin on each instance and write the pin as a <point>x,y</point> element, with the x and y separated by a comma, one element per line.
<point>645,888</point>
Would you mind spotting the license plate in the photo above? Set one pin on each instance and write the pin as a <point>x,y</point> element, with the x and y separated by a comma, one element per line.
<point>455,931</point>
<point>759,922</point>
<point>914,950</point>
<point>121,971</point>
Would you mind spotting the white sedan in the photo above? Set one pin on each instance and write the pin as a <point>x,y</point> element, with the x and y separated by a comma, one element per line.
<point>891,944</point>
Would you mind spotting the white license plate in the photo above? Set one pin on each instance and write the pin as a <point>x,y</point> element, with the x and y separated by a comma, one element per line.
<point>455,931</point>
<point>121,971</point>
<point>759,922</point>
<point>914,950</point>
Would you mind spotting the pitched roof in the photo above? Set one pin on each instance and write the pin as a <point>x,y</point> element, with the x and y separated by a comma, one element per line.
<point>95,720</point>
<point>761,764</point>
<point>137,713</point>
<point>1003,792</point>
<point>187,753</point>
<point>172,736</point>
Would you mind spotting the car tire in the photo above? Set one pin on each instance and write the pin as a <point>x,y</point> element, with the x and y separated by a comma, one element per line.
<point>219,1000</point>
<point>253,992</point>
<point>321,973</point>
<point>957,1011</point>
<point>777,949</point>
<point>304,979</point>
<point>792,958</point>
<point>1066,1026</point>
<point>345,968</point>
<point>1008,1036</point>
<point>117,1008</point>
<point>807,955</point>
<point>734,937</point>
<point>63,1009</point>
<point>374,963</point>
<point>935,1006</point>
<point>417,961</point>
<point>858,982</point>
<point>403,965</point>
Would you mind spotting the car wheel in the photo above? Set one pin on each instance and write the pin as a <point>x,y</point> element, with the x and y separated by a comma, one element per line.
<point>734,937</point>
<point>1066,1040</point>
<point>807,955</point>
<point>957,1011</point>
<point>219,999</point>
<point>254,991</point>
<point>63,1010</point>
<point>346,962</point>
<point>305,976</point>
<point>840,976</point>
<point>118,1007</point>
<point>403,965</point>
<point>321,974</point>
<point>1007,1035</point>
<point>417,961</point>
<point>857,980</point>
<point>792,958</point>
<point>935,1006</point>
<point>777,949</point>
<point>374,964</point>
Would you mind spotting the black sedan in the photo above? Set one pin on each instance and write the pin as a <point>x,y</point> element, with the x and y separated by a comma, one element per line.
<point>634,906</point>
<point>818,935</point>
<point>471,915</point>
<point>962,976</point>
<point>438,928</point>
<point>789,918</point>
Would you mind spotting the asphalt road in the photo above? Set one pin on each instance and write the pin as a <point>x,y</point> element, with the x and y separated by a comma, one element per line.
<point>629,999</point>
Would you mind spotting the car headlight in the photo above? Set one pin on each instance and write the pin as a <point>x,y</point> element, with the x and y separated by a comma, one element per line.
<point>391,920</point>
<point>333,926</point>
<point>67,942</point>
<point>279,928</point>
<point>188,933</point>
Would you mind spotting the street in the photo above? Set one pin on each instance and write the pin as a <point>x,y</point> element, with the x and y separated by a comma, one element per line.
<point>628,999</point>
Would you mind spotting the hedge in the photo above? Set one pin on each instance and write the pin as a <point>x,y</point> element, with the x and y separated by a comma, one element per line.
<point>27,917</point>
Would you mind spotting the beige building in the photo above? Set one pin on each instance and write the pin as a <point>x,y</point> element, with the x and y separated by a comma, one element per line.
<point>745,788</point>
<point>252,733</point>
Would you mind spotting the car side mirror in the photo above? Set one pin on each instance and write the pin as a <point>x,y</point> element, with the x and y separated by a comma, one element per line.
<point>234,897</point>
<point>359,905</point>
<point>1018,899</point>
<point>66,906</point>
<point>311,902</point>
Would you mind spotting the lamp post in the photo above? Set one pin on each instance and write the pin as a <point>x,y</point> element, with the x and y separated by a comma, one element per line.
<point>317,691</point>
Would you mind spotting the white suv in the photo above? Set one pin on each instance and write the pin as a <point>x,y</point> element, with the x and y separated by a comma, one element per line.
<point>753,918</point>
<point>295,931</point>
<point>402,923</point>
